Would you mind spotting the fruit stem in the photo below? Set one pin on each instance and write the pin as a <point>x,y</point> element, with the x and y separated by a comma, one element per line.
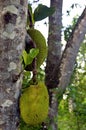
<point>30,18</point>
<point>34,71</point>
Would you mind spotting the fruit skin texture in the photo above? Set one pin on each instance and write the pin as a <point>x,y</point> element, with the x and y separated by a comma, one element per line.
<point>34,104</point>
<point>40,42</point>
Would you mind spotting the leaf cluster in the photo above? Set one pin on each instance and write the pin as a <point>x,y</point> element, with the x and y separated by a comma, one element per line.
<point>40,13</point>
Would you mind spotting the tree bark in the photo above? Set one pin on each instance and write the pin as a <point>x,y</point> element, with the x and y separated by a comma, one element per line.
<point>59,68</point>
<point>54,42</point>
<point>53,58</point>
<point>12,36</point>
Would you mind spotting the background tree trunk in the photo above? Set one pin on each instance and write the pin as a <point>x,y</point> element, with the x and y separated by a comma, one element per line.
<point>12,35</point>
<point>54,42</point>
<point>59,68</point>
<point>54,55</point>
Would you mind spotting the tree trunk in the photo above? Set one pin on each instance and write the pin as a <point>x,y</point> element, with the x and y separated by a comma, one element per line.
<point>59,68</point>
<point>12,35</point>
<point>54,55</point>
<point>54,42</point>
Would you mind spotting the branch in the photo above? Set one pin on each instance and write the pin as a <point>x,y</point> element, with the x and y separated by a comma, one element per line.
<point>71,50</point>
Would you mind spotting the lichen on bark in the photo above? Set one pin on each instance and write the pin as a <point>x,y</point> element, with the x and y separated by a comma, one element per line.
<point>13,16</point>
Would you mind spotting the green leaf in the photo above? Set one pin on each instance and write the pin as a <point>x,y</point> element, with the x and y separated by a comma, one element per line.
<point>34,52</point>
<point>27,74</point>
<point>31,55</point>
<point>42,12</point>
<point>27,58</point>
<point>24,55</point>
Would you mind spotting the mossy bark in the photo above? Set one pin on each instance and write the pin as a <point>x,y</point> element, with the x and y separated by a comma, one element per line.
<point>12,36</point>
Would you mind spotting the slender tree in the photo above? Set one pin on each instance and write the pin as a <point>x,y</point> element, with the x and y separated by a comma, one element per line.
<point>59,67</point>
<point>12,36</point>
<point>53,58</point>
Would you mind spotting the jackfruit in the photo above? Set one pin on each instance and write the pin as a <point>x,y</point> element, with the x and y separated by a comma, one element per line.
<point>40,42</point>
<point>34,104</point>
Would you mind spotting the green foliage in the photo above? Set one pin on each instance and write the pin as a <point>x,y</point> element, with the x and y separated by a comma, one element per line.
<point>26,79</point>
<point>41,74</point>
<point>76,91</point>
<point>76,118</point>
<point>42,12</point>
<point>72,115</point>
<point>28,57</point>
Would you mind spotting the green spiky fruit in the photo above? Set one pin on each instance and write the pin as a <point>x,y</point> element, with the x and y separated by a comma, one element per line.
<point>40,42</point>
<point>34,104</point>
